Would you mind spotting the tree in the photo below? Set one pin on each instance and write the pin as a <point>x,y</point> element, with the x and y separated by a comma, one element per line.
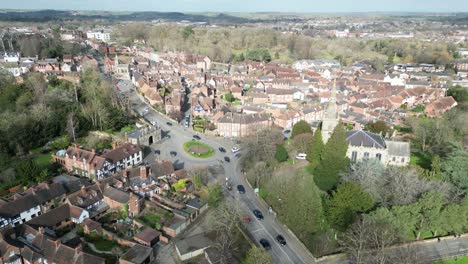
<point>281,153</point>
<point>333,160</point>
<point>255,255</point>
<point>459,93</point>
<point>378,127</point>
<point>215,195</point>
<point>301,127</point>
<point>455,169</point>
<point>315,149</point>
<point>187,32</point>
<point>346,202</point>
<point>179,185</point>
<point>368,241</point>
<point>301,143</point>
<point>229,97</point>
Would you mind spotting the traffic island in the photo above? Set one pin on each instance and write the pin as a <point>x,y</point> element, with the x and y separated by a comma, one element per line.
<point>198,149</point>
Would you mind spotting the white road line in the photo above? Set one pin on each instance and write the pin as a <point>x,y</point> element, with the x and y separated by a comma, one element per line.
<point>257,230</point>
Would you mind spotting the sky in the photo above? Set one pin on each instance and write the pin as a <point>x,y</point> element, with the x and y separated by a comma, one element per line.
<point>300,6</point>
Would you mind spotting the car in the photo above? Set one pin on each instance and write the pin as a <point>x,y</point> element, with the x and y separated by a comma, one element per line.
<point>258,214</point>
<point>223,150</point>
<point>287,131</point>
<point>265,244</point>
<point>167,137</point>
<point>169,123</point>
<point>285,138</point>
<point>235,149</point>
<point>240,189</point>
<point>197,137</point>
<point>157,151</point>
<point>281,240</point>
<point>173,153</point>
<point>227,159</point>
<point>301,156</point>
<point>238,155</point>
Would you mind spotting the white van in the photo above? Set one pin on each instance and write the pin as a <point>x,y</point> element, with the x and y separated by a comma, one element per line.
<point>301,156</point>
<point>235,149</point>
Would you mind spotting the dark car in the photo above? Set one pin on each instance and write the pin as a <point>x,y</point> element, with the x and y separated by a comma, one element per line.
<point>258,214</point>
<point>240,189</point>
<point>281,240</point>
<point>169,123</point>
<point>157,151</point>
<point>227,159</point>
<point>238,155</point>
<point>197,137</point>
<point>223,150</point>
<point>287,131</point>
<point>265,244</point>
<point>173,153</point>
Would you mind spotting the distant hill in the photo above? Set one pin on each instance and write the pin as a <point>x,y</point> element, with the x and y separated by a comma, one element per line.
<point>54,15</point>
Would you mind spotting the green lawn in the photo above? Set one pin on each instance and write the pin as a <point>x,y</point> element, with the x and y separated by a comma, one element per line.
<point>459,260</point>
<point>236,103</point>
<point>100,242</point>
<point>43,160</point>
<point>151,219</point>
<point>205,155</point>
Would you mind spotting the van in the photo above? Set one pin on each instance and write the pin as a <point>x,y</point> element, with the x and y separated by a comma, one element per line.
<point>301,156</point>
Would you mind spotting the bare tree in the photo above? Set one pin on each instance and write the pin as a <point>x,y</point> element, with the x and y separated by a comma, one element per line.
<point>225,221</point>
<point>72,125</point>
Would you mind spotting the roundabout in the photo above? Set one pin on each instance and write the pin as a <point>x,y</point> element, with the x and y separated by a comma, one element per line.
<point>198,149</point>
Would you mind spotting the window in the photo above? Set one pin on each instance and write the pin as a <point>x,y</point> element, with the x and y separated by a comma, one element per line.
<point>378,156</point>
<point>402,160</point>
<point>394,159</point>
<point>354,156</point>
<point>366,155</point>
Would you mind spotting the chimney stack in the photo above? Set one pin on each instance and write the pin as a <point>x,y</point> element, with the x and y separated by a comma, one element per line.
<point>79,249</point>
<point>143,172</point>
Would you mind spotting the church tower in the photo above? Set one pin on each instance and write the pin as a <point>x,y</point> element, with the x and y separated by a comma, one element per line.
<point>330,119</point>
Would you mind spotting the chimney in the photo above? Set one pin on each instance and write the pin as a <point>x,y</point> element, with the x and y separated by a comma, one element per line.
<point>57,243</point>
<point>114,145</point>
<point>143,172</point>
<point>93,150</point>
<point>79,249</point>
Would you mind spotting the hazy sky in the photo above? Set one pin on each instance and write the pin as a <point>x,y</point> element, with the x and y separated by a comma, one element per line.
<point>244,5</point>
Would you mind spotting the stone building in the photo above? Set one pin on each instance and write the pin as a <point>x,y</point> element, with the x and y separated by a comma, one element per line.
<point>145,136</point>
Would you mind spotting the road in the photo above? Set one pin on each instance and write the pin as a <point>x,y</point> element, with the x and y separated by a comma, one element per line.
<point>267,228</point>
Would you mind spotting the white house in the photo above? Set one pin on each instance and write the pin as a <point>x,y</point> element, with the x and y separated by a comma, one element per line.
<point>298,95</point>
<point>98,35</point>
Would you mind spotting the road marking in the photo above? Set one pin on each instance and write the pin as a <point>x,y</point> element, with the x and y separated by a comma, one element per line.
<point>257,230</point>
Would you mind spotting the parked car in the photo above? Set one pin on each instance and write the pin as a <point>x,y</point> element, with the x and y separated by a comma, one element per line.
<point>173,153</point>
<point>301,156</point>
<point>169,123</point>
<point>287,131</point>
<point>247,219</point>
<point>258,214</point>
<point>265,244</point>
<point>223,150</point>
<point>240,189</point>
<point>197,137</point>
<point>281,240</point>
<point>235,149</point>
<point>238,155</point>
<point>227,159</point>
<point>157,151</point>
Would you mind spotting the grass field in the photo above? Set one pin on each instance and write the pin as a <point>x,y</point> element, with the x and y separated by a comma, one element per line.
<point>459,260</point>
<point>189,144</point>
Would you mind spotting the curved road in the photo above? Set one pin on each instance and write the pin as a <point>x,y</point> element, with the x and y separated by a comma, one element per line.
<point>268,228</point>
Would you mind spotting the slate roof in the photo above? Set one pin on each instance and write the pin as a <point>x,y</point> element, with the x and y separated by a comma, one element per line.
<point>193,243</point>
<point>365,138</point>
<point>398,148</point>
<point>137,254</point>
<point>51,218</point>
<point>121,152</point>
<point>196,203</point>
<point>31,198</point>
<point>116,195</point>
<point>148,235</point>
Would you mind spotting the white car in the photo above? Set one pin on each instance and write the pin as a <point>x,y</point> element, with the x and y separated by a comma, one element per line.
<point>235,149</point>
<point>301,156</point>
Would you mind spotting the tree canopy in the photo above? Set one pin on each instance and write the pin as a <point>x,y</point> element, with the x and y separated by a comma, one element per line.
<point>301,127</point>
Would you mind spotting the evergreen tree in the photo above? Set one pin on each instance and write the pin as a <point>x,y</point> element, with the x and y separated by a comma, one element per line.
<point>315,150</point>
<point>301,127</point>
<point>281,154</point>
<point>436,171</point>
<point>333,160</point>
<point>348,200</point>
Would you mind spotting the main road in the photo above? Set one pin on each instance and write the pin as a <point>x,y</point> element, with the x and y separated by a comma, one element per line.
<point>269,227</point>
